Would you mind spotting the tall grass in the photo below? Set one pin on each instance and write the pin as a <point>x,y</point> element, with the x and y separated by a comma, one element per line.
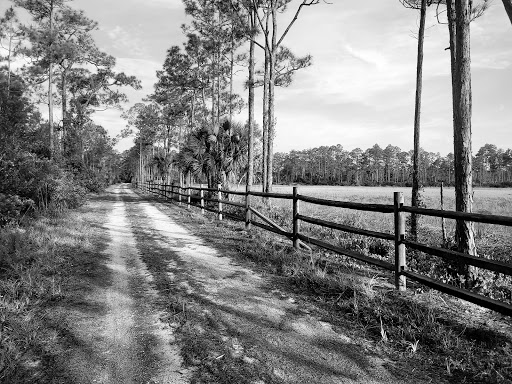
<point>34,266</point>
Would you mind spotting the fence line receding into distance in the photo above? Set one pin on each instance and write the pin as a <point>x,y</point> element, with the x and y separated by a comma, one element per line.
<point>183,195</point>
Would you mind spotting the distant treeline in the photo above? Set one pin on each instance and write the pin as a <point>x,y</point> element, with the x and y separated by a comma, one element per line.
<point>334,165</point>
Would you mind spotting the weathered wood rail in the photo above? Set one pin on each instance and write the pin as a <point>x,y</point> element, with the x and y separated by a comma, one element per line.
<point>398,267</point>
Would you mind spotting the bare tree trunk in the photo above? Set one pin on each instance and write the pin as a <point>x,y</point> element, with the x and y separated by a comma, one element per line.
<point>193,111</point>
<point>231,68</point>
<point>264,163</point>
<point>213,97</point>
<point>508,8</point>
<point>217,118</point>
<point>9,59</point>
<point>417,114</point>
<point>50,83</point>
<point>250,144</point>
<point>461,83</point>
<point>64,108</point>
<point>271,99</point>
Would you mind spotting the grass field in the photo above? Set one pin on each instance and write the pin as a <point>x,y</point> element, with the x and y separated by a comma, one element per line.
<point>486,200</point>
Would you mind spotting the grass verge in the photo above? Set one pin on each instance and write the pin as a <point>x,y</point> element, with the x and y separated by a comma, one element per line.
<point>43,265</point>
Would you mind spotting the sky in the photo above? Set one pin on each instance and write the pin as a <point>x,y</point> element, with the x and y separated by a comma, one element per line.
<point>360,89</point>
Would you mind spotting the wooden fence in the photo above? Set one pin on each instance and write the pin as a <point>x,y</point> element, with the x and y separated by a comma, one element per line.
<point>398,267</point>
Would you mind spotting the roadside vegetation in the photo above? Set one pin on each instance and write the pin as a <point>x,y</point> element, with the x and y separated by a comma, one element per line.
<point>47,165</point>
<point>44,265</point>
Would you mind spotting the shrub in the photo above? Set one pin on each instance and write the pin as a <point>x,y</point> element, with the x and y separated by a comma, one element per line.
<point>92,181</point>
<point>12,207</point>
<point>61,193</point>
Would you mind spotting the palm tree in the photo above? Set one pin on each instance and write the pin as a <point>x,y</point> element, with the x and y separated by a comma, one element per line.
<point>215,157</point>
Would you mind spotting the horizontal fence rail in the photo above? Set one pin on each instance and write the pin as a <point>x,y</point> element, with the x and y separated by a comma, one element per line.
<point>299,239</point>
<point>345,204</point>
<point>476,217</point>
<point>346,228</point>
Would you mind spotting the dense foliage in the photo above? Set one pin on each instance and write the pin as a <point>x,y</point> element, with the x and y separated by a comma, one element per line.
<point>49,165</point>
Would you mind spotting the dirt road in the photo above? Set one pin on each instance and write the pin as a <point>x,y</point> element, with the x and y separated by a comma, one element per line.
<point>169,297</point>
<point>124,341</point>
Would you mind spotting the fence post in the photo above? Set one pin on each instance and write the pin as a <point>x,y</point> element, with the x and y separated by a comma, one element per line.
<point>201,192</point>
<point>443,220</point>
<point>295,213</point>
<point>219,196</point>
<point>400,281</point>
<point>188,197</point>
<point>179,195</point>
<point>248,212</point>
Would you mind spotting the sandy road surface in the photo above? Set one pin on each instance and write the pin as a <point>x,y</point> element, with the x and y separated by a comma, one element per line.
<point>123,341</point>
<point>150,254</point>
<point>251,316</point>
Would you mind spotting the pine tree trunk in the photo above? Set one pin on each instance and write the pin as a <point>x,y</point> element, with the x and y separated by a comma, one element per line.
<point>64,109</point>
<point>508,8</point>
<point>461,83</point>
<point>217,118</point>
<point>271,100</point>
<point>193,111</point>
<point>213,101</point>
<point>264,163</point>
<point>9,59</point>
<point>250,141</point>
<point>417,114</point>
<point>231,69</point>
<point>50,83</point>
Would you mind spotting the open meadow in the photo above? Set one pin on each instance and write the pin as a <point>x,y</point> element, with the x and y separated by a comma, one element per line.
<point>497,201</point>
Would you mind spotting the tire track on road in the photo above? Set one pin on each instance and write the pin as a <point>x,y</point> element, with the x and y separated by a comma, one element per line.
<point>129,343</point>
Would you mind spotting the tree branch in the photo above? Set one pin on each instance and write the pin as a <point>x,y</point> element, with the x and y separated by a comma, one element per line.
<point>304,3</point>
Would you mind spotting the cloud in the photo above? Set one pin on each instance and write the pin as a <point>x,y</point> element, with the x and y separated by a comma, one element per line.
<point>143,69</point>
<point>123,40</point>
<point>373,58</point>
<point>169,4</point>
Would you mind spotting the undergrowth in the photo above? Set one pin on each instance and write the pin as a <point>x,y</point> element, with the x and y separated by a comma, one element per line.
<point>35,262</point>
